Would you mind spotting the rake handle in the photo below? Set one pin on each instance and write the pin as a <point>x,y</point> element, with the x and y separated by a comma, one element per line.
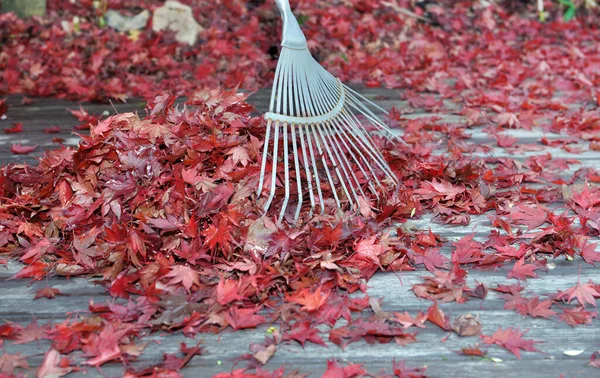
<point>293,37</point>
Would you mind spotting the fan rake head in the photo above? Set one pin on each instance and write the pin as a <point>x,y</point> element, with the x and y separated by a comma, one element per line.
<point>316,117</point>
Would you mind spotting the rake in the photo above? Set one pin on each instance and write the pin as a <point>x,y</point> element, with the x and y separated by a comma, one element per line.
<point>331,149</point>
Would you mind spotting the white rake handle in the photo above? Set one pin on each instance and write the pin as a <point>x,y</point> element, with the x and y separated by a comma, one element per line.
<point>293,38</point>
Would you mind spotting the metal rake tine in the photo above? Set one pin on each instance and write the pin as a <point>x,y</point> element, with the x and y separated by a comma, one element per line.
<point>336,165</point>
<point>345,139</point>
<point>316,172</point>
<point>263,166</point>
<point>366,145</point>
<point>274,172</point>
<point>343,162</point>
<point>335,136</point>
<point>297,169</point>
<point>325,166</point>
<point>373,117</point>
<point>286,165</point>
<point>323,103</point>
<point>307,169</point>
<point>367,138</point>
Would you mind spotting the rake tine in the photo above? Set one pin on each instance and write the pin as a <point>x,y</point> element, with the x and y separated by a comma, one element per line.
<point>297,169</point>
<point>325,166</point>
<point>274,172</point>
<point>264,159</point>
<point>312,105</point>
<point>314,165</point>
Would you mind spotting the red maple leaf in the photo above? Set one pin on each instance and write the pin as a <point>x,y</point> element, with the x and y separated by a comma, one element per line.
<point>47,292</point>
<point>53,366</point>
<point>33,332</point>
<point>228,291</point>
<point>408,321</point>
<point>104,346</point>
<point>9,362</point>
<point>39,249</point>
<point>431,258</point>
<point>537,308</point>
<point>511,340</point>
<point>577,316</point>
<point>310,300</point>
<point>183,274</point>
<point>467,250</point>
<point>589,253</point>
<point>521,271</point>
<point>473,351</point>
<point>595,357</point>
<point>16,128</point>
<point>19,149</point>
<point>335,370</point>
<point>242,318</point>
<point>302,332</point>
<point>402,371</point>
<point>530,216</point>
<point>586,293</point>
<point>437,317</point>
<point>439,189</point>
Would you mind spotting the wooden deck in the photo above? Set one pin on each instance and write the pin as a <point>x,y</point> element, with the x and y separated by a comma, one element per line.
<point>222,350</point>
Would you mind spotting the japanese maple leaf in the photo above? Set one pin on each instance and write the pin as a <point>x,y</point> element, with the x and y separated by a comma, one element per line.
<point>47,292</point>
<point>584,293</point>
<point>218,235</point>
<point>521,271</point>
<point>537,308</point>
<point>53,366</point>
<point>310,300</point>
<point>371,331</point>
<point>437,188</point>
<point>183,274</point>
<point>577,316</point>
<point>370,249</point>
<point>466,250</point>
<point>239,154</point>
<point>505,141</point>
<point>530,216</point>
<point>431,258</point>
<point>9,362</point>
<point>589,253</point>
<point>39,249</point>
<point>408,321</point>
<point>511,340</point>
<point>595,357</point>
<point>437,317</point>
<point>242,318</point>
<point>228,291</point>
<point>473,351</point>
<point>14,129</point>
<point>37,270</point>
<point>402,371</point>
<point>33,332</point>
<point>335,370</point>
<point>19,149</point>
<point>104,347</point>
<point>302,332</point>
